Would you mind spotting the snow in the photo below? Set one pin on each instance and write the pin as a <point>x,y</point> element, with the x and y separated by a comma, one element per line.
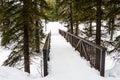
<point>7,73</point>
<point>3,54</point>
<point>65,63</point>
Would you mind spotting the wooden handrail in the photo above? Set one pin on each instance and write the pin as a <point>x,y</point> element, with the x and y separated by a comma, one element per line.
<point>92,52</point>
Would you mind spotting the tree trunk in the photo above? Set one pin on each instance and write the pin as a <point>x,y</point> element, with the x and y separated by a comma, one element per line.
<point>26,50</point>
<point>26,8</point>
<point>45,25</point>
<point>37,39</point>
<point>112,28</point>
<point>98,32</point>
<point>109,25</point>
<point>76,29</point>
<point>98,22</point>
<point>90,29</point>
<point>71,19</point>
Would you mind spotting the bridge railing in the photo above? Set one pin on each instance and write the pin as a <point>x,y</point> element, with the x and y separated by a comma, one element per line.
<point>46,51</point>
<point>90,51</point>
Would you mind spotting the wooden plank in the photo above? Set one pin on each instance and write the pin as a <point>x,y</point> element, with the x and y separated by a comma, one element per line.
<point>78,44</point>
<point>86,54</point>
<point>45,62</point>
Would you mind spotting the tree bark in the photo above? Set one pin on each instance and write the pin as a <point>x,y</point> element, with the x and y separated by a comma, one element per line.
<point>98,32</point>
<point>112,28</point>
<point>71,18</point>
<point>98,22</point>
<point>37,39</point>
<point>90,29</point>
<point>76,29</point>
<point>26,50</point>
<point>26,8</point>
<point>37,36</point>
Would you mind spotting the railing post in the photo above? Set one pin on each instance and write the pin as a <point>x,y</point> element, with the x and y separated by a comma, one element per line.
<point>97,61</point>
<point>46,51</point>
<point>102,64</point>
<point>45,59</point>
<point>49,47</point>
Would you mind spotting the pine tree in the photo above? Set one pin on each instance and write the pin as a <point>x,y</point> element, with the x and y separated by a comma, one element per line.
<point>112,10</point>
<point>65,13</point>
<point>19,26</point>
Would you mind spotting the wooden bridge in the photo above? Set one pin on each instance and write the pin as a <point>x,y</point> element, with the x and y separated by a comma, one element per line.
<point>91,52</point>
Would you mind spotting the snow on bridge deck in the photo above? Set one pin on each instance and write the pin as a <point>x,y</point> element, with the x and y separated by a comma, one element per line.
<point>66,63</point>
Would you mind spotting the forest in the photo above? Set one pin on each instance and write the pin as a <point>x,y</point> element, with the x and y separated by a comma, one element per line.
<point>21,24</point>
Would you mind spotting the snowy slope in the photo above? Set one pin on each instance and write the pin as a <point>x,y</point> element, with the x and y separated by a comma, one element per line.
<point>3,54</point>
<point>65,63</point>
<point>7,73</point>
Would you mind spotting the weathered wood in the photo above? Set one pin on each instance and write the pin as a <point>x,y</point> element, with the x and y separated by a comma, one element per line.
<point>102,67</point>
<point>78,44</point>
<point>85,52</point>
<point>45,62</point>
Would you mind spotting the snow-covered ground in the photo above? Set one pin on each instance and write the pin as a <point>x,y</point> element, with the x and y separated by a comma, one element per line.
<point>65,63</point>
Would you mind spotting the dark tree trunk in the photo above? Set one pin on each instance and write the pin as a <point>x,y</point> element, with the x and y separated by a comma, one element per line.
<point>71,18</point>
<point>112,28</point>
<point>37,38</point>
<point>90,28</point>
<point>37,41</point>
<point>98,22</point>
<point>26,50</point>
<point>26,8</point>
<point>109,25</point>
<point>45,25</point>
<point>76,29</point>
<point>98,32</point>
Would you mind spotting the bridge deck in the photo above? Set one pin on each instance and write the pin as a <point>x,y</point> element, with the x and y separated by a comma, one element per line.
<point>66,64</point>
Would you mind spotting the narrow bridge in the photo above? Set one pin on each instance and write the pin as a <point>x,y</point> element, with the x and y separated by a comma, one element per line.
<point>91,52</point>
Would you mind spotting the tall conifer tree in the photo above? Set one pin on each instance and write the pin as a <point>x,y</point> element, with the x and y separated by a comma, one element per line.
<point>19,26</point>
